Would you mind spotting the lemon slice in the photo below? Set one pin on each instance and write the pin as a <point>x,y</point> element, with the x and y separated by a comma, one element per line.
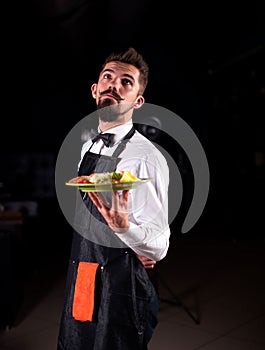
<point>127,176</point>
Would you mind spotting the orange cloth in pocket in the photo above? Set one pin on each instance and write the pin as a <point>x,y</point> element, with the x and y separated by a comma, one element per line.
<point>84,296</point>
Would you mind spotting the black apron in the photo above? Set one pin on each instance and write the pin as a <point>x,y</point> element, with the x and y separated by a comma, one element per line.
<point>123,289</point>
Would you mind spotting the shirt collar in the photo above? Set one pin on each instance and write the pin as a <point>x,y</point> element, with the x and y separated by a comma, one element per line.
<point>119,131</point>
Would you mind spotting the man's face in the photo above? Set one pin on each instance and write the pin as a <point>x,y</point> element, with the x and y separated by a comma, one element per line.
<point>117,90</point>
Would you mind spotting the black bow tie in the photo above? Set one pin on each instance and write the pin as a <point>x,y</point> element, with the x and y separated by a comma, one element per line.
<point>107,138</point>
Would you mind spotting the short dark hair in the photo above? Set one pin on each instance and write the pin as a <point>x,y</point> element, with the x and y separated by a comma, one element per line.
<point>131,56</point>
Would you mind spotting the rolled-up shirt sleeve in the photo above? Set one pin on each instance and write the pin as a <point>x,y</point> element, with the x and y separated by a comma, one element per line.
<point>149,231</point>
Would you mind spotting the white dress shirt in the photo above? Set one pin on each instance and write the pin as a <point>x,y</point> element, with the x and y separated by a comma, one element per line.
<point>149,231</point>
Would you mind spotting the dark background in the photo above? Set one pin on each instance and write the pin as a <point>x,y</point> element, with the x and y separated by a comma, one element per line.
<point>206,65</point>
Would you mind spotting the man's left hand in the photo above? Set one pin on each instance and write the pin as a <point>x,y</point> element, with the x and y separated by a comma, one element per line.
<point>148,263</point>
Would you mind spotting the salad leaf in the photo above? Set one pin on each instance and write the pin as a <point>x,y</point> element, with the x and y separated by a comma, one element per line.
<point>116,176</point>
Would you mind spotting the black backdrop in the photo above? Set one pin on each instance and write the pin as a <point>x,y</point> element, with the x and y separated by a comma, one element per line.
<point>205,65</point>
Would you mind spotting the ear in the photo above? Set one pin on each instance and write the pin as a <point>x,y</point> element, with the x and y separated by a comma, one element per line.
<point>94,90</point>
<point>139,102</point>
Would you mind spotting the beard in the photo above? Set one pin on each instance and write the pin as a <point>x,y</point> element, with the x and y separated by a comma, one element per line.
<point>109,111</point>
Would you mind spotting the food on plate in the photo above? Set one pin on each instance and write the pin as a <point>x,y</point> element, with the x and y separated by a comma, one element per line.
<point>126,176</point>
<point>105,178</point>
<point>100,178</point>
<point>84,179</point>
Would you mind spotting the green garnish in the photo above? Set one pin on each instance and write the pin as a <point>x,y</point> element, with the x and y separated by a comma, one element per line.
<point>116,176</point>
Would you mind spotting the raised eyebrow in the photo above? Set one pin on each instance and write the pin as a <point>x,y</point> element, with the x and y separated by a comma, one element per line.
<point>129,76</point>
<point>107,70</point>
<point>123,75</point>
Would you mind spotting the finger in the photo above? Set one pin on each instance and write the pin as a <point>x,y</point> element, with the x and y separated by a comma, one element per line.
<point>150,263</point>
<point>103,199</point>
<point>149,266</point>
<point>144,259</point>
<point>153,262</point>
<point>124,203</point>
<point>125,195</point>
<point>115,201</point>
<point>95,199</point>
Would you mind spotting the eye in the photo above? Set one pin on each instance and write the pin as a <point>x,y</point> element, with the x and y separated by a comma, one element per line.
<point>106,76</point>
<point>126,82</point>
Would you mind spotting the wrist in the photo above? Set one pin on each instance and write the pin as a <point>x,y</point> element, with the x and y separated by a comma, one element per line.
<point>122,229</point>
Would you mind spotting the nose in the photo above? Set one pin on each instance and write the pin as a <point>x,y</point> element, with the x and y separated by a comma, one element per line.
<point>114,84</point>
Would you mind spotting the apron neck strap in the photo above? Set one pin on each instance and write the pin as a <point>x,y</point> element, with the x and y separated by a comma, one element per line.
<point>123,143</point>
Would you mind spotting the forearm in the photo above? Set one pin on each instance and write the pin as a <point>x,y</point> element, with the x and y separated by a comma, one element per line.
<point>149,240</point>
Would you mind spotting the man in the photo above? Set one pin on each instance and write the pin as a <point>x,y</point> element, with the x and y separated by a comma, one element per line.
<point>110,302</point>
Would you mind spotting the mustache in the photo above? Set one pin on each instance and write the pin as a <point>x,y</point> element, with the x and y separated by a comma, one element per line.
<point>113,93</point>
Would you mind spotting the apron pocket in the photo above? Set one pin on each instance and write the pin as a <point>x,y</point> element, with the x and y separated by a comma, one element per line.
<point>84,293</point>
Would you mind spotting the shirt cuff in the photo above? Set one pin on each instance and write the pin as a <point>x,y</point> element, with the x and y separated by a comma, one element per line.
<point>135,236</point>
